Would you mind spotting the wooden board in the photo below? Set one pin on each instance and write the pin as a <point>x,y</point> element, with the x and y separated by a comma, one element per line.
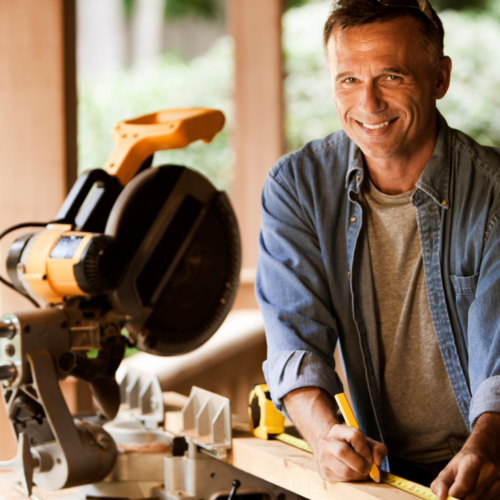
<point>297,471</point>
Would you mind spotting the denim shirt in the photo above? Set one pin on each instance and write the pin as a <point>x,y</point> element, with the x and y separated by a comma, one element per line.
<point>314,281</point>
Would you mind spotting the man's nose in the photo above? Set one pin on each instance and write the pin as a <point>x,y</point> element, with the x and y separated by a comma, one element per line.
<point>371,100</point>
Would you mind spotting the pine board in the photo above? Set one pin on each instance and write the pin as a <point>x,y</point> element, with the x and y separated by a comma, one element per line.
<point>297,471</point>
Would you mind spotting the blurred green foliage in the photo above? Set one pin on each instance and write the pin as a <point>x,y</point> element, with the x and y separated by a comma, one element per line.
<point>128,8</point>
<point>170,83</point>
<point>472,103</point>
<point>209,9</point>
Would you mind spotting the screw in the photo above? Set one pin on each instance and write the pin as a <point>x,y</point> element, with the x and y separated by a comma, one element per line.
<point>10,350</point>
<point>27,329</point>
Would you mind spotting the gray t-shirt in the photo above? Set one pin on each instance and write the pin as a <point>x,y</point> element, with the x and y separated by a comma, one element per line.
<point>421,416</point>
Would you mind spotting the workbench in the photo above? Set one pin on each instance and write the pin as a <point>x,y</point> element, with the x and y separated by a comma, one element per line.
<point>274,461</point>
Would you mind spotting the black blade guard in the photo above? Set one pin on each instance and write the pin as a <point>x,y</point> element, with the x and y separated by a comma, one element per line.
<point>181,243</point>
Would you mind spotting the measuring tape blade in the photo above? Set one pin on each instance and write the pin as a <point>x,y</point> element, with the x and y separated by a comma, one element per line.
<point>385,477</point>
<point>410,487</point>
<point>298,443</point>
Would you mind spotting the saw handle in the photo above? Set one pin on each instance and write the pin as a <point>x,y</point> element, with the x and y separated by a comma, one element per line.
<point>139,138</point>
<point>79,192</point>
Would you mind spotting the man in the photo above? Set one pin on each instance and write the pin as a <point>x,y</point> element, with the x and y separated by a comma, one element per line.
<point>385,237</point>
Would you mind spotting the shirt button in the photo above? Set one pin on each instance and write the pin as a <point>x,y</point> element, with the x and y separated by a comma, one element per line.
<point>353,218</point>
<point>357,178</point>
<point>444,202</point>
<point>348,275</point>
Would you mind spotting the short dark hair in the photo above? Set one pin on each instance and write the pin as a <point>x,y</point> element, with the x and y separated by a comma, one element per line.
<point>347,14</point>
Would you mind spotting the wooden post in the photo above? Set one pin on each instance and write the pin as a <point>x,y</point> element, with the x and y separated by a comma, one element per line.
<point>258,138</point>
<point>37,125</point>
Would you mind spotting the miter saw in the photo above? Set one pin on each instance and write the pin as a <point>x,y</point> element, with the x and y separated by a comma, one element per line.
<point>136,256</point>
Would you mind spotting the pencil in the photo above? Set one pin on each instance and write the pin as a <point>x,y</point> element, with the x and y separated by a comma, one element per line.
<point>350,420</point>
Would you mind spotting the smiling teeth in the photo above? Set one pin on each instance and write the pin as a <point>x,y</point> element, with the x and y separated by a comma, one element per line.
<point>375,127</point>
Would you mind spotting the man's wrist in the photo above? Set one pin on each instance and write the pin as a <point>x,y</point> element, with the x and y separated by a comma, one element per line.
<point>313,412</point>
<point>482,441</point>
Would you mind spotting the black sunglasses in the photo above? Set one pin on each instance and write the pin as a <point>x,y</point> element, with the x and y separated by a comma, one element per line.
<point>422,5</point>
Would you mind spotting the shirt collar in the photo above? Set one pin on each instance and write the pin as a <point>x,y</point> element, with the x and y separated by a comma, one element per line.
<point>356,166</point>
<point>434,180</point>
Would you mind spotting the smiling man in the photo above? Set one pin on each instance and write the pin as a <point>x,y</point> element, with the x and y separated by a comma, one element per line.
<point>385,238</point>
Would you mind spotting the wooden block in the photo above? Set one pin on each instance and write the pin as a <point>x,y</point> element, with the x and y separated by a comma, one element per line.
<point>297,471</point>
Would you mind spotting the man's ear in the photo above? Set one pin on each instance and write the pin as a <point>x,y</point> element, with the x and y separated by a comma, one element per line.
<point>443,75</point>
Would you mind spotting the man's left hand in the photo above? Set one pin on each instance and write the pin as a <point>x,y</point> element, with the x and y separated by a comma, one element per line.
<point>474,471</point>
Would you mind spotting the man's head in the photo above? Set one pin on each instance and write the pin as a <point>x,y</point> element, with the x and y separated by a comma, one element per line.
<point>387,70</point>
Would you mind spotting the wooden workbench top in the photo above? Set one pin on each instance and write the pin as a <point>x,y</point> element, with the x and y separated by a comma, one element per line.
<point>297,471</point>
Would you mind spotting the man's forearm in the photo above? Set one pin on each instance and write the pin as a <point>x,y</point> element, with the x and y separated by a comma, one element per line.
<point>312,411</point>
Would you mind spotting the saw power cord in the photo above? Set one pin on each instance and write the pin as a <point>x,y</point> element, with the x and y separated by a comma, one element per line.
<point>10,230</point>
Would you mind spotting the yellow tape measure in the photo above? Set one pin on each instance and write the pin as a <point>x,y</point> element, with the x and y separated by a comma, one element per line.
<point>268,423</point>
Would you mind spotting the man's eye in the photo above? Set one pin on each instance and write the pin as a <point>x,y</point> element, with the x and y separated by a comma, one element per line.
<point>392,77</point>
<point>350,80</point>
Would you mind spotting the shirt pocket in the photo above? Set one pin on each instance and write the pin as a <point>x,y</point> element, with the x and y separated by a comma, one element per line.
<point>465,293</point>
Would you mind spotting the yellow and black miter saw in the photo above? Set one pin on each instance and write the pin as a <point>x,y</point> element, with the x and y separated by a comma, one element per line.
<point>136,256</point>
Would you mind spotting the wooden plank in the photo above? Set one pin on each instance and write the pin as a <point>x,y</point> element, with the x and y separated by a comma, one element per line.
<point>297,471</point>
<point>257,136</point>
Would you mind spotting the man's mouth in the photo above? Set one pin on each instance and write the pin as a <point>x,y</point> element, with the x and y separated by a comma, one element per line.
<point>376,126</point>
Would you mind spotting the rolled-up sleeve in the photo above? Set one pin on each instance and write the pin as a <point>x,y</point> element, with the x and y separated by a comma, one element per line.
<point>293,295</point>
<point>484,333</point>
<point>290,370</point>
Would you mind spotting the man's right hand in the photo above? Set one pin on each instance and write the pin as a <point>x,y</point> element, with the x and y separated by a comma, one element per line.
<point>343,453</point>
<point>346,454</point>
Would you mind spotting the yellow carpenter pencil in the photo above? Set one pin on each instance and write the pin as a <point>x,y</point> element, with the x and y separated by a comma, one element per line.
<point>350,420</point>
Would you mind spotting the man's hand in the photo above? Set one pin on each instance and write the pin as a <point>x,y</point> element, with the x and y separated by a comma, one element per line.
<point>343,453</point>
<point>474,471</point>
<point>346,454</point>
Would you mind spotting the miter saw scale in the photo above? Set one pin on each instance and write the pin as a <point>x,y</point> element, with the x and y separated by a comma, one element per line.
<point>152,252</point>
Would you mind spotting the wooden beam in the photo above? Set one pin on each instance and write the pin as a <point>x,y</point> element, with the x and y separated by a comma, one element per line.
<point>38,118</point>
<point>37,124</point>
<point>257,138</point>
<point>297,471</point>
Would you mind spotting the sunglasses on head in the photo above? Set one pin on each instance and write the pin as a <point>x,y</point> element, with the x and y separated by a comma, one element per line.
<point>422,5</point>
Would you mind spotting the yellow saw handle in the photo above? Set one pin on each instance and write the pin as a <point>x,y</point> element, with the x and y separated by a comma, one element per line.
<point>139,138</point>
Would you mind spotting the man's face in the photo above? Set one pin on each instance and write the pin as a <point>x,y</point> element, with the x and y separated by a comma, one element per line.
<point>385,87</point>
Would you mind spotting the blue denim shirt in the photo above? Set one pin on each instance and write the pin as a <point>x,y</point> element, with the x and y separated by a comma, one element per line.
<point>314,280</point>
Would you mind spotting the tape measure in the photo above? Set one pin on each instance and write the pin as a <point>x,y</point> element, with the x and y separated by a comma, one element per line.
<point>266,422</point>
